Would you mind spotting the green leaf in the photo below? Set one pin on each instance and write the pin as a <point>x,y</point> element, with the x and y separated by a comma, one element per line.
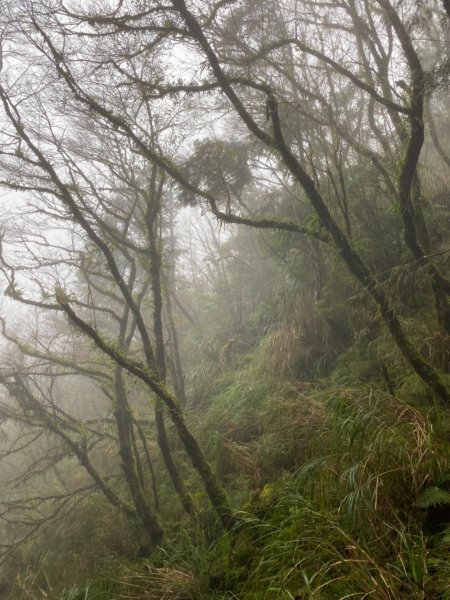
<point>433,496</point>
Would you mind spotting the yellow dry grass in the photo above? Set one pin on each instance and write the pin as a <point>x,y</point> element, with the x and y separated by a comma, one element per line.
<point>164,583</point>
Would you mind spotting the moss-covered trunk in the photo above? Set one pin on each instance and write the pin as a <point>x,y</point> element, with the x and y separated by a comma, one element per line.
<point>153,209</point>
<point>124,424</point>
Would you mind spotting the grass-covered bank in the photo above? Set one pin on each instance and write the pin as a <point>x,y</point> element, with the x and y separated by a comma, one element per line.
<point>343,492</point>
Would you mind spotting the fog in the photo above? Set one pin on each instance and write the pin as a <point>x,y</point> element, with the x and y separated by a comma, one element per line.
<point>225,313</point>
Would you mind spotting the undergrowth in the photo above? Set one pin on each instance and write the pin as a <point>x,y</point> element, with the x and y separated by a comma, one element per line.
<point>350,522</point>
<point>343,492</point>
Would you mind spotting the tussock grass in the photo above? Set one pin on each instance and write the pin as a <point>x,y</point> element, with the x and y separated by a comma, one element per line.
<point>345,524</point>
<point>296,342</point>
<point>158,583</point>
<point>334,485</point>
<point>260,426</point>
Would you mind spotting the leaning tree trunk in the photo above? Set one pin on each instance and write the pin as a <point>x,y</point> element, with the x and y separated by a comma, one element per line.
<point>350,256</point>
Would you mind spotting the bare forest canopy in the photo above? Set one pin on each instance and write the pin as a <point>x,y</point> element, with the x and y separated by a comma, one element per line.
<point>225,314</point>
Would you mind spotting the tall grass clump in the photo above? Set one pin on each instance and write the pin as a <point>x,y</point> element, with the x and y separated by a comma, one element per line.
<point>260,425</point>
<point>347,523</point>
